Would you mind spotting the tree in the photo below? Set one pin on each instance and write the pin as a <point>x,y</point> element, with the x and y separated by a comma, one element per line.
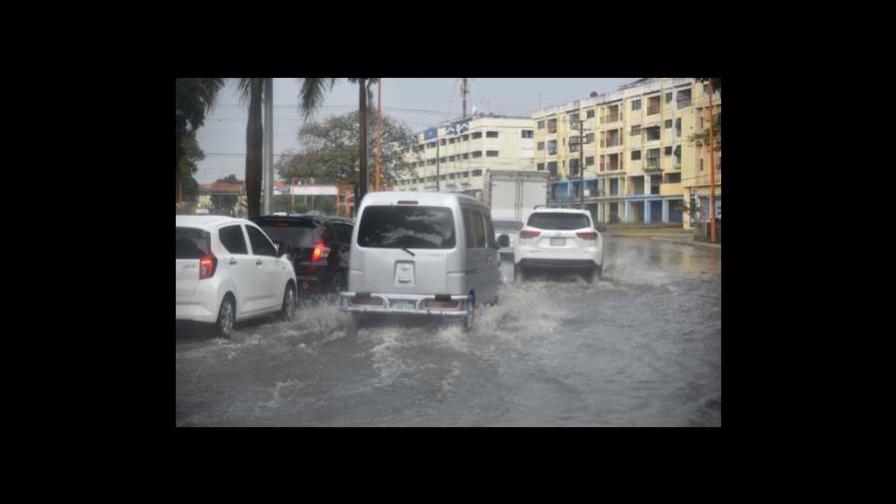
<point>190,156</point>
<point>333,147</point>
<point>230,179</point>
<point>194,98</point>
<point>311,96</point>
<point>252,91</point>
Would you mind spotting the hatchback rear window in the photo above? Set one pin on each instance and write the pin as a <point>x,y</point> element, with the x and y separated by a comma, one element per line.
<point>191,243</point>
<point>407,226</point>
<point>295,233</point>
<point>559,221</point>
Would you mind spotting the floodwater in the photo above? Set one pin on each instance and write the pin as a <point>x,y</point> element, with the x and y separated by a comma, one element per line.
<point>641,347</point>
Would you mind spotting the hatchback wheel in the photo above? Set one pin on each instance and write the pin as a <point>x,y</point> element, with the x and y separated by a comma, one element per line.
<point>226,317</point>
<point>288,312</point>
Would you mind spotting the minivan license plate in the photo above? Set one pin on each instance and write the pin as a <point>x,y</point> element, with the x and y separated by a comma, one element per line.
<point>558,242</point>
<point>403,305</point>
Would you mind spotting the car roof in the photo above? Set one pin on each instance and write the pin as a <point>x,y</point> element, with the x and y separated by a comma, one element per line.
<point>298,216</point>
<point>421,197</point>
<point>561,210</point>
<point>206,221</point>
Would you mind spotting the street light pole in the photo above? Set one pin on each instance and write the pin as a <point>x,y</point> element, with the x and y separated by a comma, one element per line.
<point>712,172</point>
<point>581,164</point>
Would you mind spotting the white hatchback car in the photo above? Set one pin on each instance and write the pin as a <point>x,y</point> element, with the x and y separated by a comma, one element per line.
<point>559,239</point>
<point>227,269</point>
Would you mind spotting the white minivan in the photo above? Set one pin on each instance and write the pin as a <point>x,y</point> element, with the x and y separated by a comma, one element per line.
<point>422,253</point>
<point>227,270</point>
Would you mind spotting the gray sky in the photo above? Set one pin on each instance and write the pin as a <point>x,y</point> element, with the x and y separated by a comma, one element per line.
<point>425,102</point>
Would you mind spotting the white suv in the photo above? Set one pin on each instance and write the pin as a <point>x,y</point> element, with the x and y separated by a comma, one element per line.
<point>560,239</point>
<point>228,270</point>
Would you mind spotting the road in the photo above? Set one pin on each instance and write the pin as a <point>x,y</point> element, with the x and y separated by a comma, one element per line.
<point>641,347</point>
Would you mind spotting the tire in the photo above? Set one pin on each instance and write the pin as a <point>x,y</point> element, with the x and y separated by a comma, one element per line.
<point>470,318</point>
<point>288,310</point>
<point>599,271</point>
<point>339,285</point>
<point>226,317</point>
<point>356,322</point>
<point>588,277</point>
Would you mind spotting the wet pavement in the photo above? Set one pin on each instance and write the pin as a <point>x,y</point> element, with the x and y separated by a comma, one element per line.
<point>641,347</point>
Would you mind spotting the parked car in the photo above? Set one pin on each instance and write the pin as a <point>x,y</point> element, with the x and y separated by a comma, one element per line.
<point>228,270</point>
<point>423,254</point>
<point>560,239</point>
<point>318,247</point>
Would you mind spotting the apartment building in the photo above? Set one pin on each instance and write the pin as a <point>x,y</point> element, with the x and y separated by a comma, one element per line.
<point>639,166</point>
<point>455,156</point>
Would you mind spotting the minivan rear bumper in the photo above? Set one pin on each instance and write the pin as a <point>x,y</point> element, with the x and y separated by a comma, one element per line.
<point>390,301</point>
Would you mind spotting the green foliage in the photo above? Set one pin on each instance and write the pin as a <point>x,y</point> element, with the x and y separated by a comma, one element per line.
<point>322,204</point>
<point>230,179</point>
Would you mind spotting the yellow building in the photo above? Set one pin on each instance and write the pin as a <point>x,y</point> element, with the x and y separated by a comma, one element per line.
<point>455,156</point>
<point>639,164</point>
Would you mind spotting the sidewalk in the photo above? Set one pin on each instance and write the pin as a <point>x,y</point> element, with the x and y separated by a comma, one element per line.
<point>669,234</point>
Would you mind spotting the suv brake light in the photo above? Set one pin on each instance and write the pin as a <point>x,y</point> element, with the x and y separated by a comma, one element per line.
<point>529,234</point>
<point>321,251</point>
<point>207,265</point>
<point>587,235</point>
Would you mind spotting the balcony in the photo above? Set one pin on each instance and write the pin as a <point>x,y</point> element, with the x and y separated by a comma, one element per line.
<point>652,164</point>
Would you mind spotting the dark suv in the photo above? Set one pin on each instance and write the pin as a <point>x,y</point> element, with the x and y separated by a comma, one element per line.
<point>317,245</point>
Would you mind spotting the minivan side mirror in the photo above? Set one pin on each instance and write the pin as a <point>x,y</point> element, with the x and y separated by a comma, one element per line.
<point>503,241</point>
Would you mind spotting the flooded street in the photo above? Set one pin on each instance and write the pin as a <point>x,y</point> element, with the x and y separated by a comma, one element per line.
<point>641,347</point>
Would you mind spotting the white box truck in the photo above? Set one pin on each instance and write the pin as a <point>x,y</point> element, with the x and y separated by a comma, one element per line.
<point>511,195</point>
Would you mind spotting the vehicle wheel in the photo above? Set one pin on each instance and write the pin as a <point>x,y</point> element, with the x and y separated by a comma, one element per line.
<point>518,274</point>
<point>589,277</point>
<point>470,317</point>
<point>288,312</point>
<point>599,271</point>
<point>356,322</point>
<point>226,317</point>
<point>339,285</point>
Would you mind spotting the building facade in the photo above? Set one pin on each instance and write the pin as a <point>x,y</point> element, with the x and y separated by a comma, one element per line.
<point>639,165</point>
<point>455,156</point>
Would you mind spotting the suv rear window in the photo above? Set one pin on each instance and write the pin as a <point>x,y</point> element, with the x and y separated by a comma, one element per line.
<point>407,226</point>
<point>295,233</point>
<point>191,243</point>
<point>559,221</point>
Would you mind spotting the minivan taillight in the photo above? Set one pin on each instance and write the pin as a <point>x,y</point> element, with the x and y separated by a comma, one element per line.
<point>587,235</point>
<point>207,265</point>
<point>529,234</point>
<point>321,251</point>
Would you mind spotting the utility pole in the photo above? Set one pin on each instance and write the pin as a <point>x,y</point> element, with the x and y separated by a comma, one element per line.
<point>379,134</point>
<point>438,160</point>
<point>268,147</point>
<point>582,164</point>
<point>464,89</point>
<point>712,171</point>
<point>362,100</point>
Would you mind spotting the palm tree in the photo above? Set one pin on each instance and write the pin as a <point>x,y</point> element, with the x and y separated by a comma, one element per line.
<point>194,98</point>
<point>311,96</point>
<point>252,90</point>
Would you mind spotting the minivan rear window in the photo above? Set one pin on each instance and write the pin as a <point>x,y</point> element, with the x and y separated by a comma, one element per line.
<point>192,243</point>
<point>559,221</point>
<point>422,227</point>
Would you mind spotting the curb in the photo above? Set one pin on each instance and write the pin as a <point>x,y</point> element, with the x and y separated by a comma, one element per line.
<point>691,243</point>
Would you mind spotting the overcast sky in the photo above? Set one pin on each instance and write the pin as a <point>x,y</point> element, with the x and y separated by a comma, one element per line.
<point>418,103</point>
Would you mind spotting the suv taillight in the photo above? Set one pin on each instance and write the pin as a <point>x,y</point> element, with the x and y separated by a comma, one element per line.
<point>529,234</point>
<point>207,265</point>
<point>321,251</point>
<point>587,235</point>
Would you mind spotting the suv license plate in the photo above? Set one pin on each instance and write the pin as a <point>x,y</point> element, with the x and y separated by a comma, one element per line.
<point>403,305</point>
<point>558,242</point>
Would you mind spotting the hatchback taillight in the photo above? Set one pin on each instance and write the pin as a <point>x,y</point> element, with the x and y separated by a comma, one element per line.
<point>321,251</point>
<point>207,265</point>
<point>529,234</point>
<point>587,235</point>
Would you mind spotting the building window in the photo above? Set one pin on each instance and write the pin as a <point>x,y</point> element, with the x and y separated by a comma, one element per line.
<point>442,142</point>
<point>466,155</point>
<point>540,145</point>
<point>431,161</point>
<point>452,140</point>
<point>477,154</point>
<point>552,125</point>
<point>541,124</point>
<point>552,147</point>
<point>673,178</point>
<point>589,114</point>
<point>589,161</point>
<point>441,177</point>
<point>668,97</point>
<point>466,174</point>
<point>540,166</point>
<point>476,135</point>
<point>653,133</point>
<point>636,105</point>
<point>636,130</point>
<point>466,137</point>
<point>442,159</point>
<point>614,187</point>
<point>636,155</point>
<point>552,168</point>
<point>477,173</point>
<point>700,121</point>
<point>491,153</point>
<point>526,133</point>
<point>668,151</point>
<point>668,123</point>
<point>701,164</point>
<point>431,145</point>
<point>678,127</point>
<point>653,105</point>
<point>451,176</point>
<point>451,158</point>
<point>684,98</point>
<point>589,138</point>
<point>491,134</point>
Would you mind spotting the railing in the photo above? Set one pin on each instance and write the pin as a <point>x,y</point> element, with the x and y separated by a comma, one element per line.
<point>652,164</point>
